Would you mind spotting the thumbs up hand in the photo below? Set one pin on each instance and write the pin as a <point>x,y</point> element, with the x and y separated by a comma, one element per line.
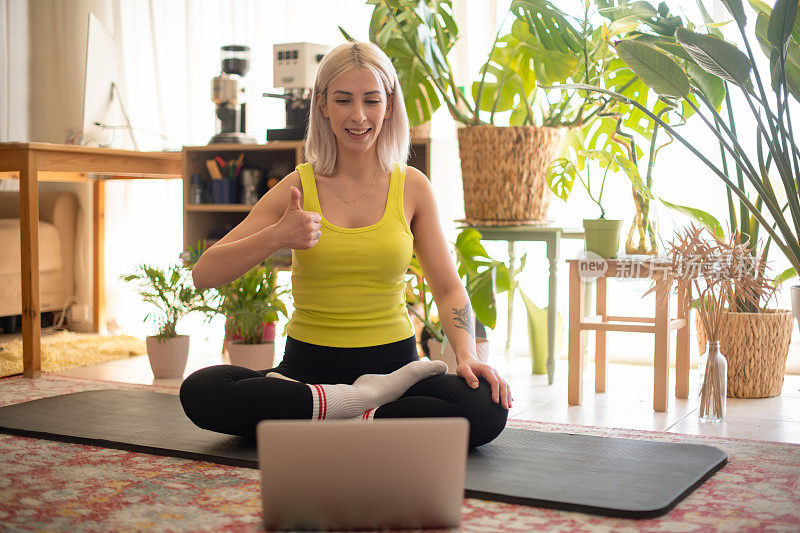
<point>301,229</point>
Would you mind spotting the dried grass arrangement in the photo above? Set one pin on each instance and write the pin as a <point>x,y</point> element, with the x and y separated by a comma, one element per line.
<point>719,273</point>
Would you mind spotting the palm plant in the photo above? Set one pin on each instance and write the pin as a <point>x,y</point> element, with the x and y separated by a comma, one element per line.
<point>172,293</point>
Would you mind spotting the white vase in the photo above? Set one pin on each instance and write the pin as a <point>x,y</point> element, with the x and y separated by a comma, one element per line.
<point>796,302</point>
<point>449,355</point>
<point>252,356</point>
<point>168,357</point>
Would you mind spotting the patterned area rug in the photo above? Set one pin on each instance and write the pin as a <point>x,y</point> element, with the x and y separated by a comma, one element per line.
<point>69,487</point>
<point>65,349</point>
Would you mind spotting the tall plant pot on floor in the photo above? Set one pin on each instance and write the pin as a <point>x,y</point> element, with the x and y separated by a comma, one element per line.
<point>602,236</point>
<point>168,356</point>
<point>504,171</point>
<point>252,356</point>
<point>756,346</point>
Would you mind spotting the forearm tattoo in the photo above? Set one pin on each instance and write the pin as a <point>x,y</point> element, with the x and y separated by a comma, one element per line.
<point>465,319</point>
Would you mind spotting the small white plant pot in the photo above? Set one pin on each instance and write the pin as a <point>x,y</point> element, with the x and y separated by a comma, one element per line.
<point>168,357</point>
<point>796,303</point>
<point>252,356</point>
<point>449,355</point>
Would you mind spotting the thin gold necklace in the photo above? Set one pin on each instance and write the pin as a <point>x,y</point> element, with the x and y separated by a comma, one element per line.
<point>366,190</point>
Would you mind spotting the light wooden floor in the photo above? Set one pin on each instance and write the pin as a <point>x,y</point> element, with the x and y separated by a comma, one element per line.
<point>626,404</point>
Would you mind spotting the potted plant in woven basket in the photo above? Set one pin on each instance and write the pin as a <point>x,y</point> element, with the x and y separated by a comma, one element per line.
<point>503,167</point>
<point>722,273</point>
<point>172,293</point>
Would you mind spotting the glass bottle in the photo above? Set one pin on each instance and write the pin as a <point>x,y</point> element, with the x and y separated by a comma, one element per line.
<point>712,384</point>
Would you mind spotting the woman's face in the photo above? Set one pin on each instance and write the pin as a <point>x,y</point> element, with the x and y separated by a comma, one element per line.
<point>356,107</point>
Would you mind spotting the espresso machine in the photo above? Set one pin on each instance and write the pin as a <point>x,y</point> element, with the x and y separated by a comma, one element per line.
<point>228,93</point>
<point>294,69</point>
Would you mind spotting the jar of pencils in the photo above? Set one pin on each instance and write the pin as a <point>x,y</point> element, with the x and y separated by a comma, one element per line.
<point>223,191</point>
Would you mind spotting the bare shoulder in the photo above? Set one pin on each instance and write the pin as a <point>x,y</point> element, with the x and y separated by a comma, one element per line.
<point>420,198</point>
<point>418,190</point>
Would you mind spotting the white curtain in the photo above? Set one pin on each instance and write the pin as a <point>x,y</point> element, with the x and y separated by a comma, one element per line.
<point>170,51</point>
<point>14,58</point>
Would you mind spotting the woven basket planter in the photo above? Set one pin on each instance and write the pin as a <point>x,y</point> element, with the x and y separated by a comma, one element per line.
<point>756,346</point>
<point>504,171</point>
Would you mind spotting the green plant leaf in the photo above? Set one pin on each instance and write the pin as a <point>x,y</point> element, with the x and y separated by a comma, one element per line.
<point>775,75</point>
<point>633,174</point>
<point>712,27</point>
<point>706,219</point>
<point>710,85</point>
<point>736,9</point>
<point>659,71</point>
<point>345,34</point>
<point>760,7</point>
<point>624,25</point>
<point>762,23</point>
<point>716,56</point>
<point>781,22</point>
<point>674,49</point>
<point>787,274</point>
<point>793,69</point>
<point>561,175</point>
<point>482,299</point>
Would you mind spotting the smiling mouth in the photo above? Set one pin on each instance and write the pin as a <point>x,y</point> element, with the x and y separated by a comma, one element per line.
<point>357,132</point>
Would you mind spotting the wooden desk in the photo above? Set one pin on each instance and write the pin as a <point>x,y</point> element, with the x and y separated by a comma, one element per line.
<point>34,162</point>
<point>551,236</point>
<point>602,322</point>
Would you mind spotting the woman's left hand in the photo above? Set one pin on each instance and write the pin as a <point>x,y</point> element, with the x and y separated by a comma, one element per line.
<point>471,369</point>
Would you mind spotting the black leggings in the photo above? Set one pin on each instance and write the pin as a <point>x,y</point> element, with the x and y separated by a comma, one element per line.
<point>232,399</point>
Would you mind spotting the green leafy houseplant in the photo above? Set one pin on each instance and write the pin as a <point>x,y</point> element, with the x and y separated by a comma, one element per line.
<point>248,302</point>
<point>418,35</point>
<point>542,48</point>
<point>252,301</point>
<point>172,293</point>
<point>618,130</point>
<point>774,144</point>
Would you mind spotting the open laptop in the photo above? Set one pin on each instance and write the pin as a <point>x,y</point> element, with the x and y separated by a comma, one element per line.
<point>347,474</point>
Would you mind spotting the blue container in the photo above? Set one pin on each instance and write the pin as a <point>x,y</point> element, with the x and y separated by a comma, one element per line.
<point>223,191</point>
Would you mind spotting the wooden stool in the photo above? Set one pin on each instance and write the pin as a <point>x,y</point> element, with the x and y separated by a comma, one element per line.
<point>582,270</point>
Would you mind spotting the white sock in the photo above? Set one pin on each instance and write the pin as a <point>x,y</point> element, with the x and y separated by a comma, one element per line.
<point>369,391</point>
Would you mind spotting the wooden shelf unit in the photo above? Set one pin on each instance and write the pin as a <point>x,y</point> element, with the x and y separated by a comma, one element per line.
<point>200,220</point>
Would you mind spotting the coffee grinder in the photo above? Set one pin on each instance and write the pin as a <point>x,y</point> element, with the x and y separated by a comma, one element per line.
<point>294,68</point>
<point>227,92</point>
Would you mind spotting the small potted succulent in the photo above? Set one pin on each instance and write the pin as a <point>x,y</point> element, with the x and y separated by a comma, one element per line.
<point>174,296</point>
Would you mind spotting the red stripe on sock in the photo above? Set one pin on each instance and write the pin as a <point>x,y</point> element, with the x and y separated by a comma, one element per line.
<point>325,402</point>
<point>320,401</point>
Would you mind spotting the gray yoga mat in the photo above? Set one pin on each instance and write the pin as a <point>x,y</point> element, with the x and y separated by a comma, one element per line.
<point>599,475</point>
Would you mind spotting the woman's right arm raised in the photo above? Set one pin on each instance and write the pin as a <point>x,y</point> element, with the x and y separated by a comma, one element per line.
<point>276,221</point>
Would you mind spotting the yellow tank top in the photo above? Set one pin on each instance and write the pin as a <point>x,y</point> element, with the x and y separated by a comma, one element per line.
<point>349,289</point>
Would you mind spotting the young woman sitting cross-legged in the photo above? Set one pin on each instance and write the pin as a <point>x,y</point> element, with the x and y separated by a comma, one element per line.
<point>353,216</point>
